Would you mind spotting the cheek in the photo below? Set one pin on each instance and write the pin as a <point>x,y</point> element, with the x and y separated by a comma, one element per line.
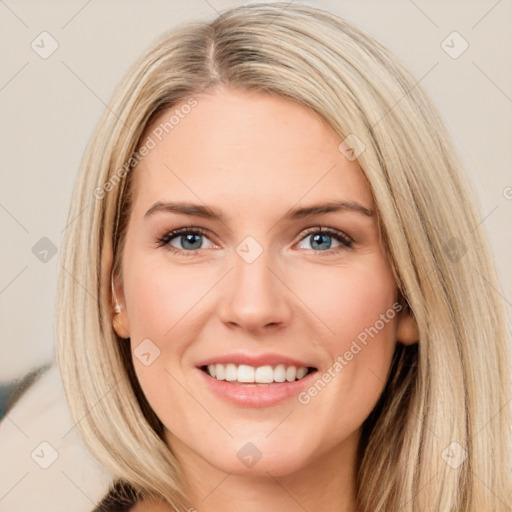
<point>157,302</point>
<point>359,311</point>
<point>162,302</point>
<point>156,297</point>
<point>350,300</point>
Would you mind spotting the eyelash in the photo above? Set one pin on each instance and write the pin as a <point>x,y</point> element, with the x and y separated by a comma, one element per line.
<point>346,242</point>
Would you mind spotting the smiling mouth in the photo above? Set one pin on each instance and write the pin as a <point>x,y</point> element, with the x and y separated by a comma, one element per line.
<point>262,375</point>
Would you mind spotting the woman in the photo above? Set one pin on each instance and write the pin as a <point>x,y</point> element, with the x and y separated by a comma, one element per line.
<point>330,340</point>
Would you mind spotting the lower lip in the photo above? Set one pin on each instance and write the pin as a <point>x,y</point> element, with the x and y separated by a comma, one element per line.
<point>255,395</point>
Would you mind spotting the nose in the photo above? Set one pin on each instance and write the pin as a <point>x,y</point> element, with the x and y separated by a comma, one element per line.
<point>255,297</point>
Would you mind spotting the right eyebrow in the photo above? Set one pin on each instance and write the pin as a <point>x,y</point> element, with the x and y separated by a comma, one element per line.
<point>196,210</point>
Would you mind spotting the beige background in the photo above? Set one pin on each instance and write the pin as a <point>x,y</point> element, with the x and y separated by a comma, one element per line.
<point>50,107</point>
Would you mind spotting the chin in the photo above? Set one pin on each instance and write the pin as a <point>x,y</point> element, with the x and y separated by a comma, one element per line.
<point>259,457</point>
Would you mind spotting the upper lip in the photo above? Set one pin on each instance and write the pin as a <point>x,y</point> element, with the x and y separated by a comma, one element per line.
<point>255,360</point>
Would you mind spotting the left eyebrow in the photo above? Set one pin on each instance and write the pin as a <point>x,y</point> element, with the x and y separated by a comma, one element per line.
<point>206,212</point>
<point>332,206</point>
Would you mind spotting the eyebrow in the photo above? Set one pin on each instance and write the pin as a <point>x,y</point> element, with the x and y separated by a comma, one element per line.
<point>206,212</point>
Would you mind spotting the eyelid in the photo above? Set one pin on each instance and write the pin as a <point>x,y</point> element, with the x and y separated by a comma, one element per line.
<point>170,235</point>
<point>335,233</point>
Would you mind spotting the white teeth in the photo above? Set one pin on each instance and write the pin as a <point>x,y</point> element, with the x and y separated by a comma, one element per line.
<point>264,374</point>
<point>220,371</point>
<point>260,375</point>
<point>301,372</point>
<point>231,372</point>
<point>280,373</point>
<point>245,373</point>
<point>291,373</point>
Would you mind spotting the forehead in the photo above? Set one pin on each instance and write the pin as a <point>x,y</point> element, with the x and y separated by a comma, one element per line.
<point>248,148</point>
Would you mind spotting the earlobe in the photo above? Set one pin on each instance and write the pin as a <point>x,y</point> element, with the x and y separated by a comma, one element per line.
<point>119,327</point>
<point>120,320</point>
<point>407,331</point>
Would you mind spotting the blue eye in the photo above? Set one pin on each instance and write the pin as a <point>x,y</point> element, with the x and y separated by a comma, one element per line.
<point>190,240</point>
<point>188,237</point>
<point>320,239</point>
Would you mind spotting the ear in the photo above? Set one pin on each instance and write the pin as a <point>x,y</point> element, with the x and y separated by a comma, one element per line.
<point>407,331</point>
<point>120,320</point>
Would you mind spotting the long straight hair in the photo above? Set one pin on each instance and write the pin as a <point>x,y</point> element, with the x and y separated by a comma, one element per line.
<point>439,438</point>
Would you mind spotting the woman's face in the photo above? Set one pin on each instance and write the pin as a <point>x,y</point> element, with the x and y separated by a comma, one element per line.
<point>260,292</point>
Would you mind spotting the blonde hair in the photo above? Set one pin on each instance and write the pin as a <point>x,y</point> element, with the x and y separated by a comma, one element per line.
<point>452,387</point>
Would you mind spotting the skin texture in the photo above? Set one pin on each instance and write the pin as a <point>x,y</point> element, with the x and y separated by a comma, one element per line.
<point>254,156</point>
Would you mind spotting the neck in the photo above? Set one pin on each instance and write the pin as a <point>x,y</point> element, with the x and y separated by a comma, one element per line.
<point>326,483</point>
